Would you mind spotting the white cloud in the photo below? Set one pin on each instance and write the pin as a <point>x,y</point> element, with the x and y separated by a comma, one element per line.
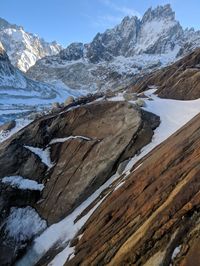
<point>107,20</point>
<point>117,13</point>
<point>122,9</point>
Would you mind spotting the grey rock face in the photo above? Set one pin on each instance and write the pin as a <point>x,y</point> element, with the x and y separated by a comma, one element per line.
<point>73,52</point>
<point>5,24</point>
<point>159,13</point>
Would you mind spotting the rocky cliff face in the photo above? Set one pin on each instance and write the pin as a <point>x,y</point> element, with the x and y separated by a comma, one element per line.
<point>156,33</point>
<point>120,55</point>
<point>24,48</point>
<point>72,153</point>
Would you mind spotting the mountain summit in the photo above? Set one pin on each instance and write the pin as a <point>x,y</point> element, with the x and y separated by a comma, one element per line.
<point>114,57</point>
<point>157,32</point>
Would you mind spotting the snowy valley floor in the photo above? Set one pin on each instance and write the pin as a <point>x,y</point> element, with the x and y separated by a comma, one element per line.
<point>173,114</point>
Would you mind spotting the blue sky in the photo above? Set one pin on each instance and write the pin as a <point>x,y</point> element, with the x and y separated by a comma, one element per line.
<point>79,20</point>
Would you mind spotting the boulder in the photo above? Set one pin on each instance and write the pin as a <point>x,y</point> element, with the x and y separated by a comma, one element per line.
<point>110,94</point>
<point>122,166</point>
<point>8,126</point>
<point>69,101</point>
<point>130,96</point>
<point>140,103</point>
<point>55,105</point>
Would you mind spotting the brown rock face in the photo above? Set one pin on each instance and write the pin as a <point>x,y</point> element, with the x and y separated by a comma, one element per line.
<point>116,131</point>
<point>179,81</point>
<point>155,211</point>
<point>104,134</point>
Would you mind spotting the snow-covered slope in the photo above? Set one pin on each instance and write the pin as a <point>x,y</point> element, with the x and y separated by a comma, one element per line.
<point>20,95</point>
<point>24,48</point>
<point>134,47</point>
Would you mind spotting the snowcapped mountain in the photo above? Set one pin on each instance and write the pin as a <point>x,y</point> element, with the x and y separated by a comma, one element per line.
<point>24,48</point>
<point>116,57</point>
<point>156,33</point>
<point>20,95</point>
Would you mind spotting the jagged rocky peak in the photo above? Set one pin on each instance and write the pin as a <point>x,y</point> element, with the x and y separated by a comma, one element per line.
<point>128,27</point>
<point>4,24</point>
<point>114,42</point>
<point>159,13</point>
<point>157,32</point>
<point>73,52</point>
<point>115,57</point>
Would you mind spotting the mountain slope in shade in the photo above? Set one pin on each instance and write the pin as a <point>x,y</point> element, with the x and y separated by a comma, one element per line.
<point>24,48</point>
<point>117,57</point>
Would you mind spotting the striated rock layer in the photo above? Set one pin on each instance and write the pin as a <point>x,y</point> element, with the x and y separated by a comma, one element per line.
<point>154,218</point>
<point>179,81</point>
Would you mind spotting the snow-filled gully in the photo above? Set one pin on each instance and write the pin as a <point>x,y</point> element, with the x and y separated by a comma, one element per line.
<point>44,154</point>
<point>173,114</point>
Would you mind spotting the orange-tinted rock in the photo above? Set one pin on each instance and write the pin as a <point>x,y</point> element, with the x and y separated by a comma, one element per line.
<point>155,211</point>
<point>178,81</point>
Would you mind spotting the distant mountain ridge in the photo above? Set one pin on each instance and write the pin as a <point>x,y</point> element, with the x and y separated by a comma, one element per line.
<point>157,32</point>
<point>24,48</point>
<point>20,95</point>
<point>133,47</point>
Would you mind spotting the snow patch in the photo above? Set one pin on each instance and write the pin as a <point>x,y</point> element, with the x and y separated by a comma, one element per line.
<point>119,185</point>
<point>22,183</point>
<point>176,252</point>
<point>43,154</point>
<point>173,115</point>
<point>24,223</point>
<point>61,232</point>
<point>60,140</point>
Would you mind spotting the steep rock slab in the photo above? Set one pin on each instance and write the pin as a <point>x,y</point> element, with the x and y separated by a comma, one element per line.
<point>179,81</point>
<point>72,153</point>
<point>116,131</point>
<point>154,217</point>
